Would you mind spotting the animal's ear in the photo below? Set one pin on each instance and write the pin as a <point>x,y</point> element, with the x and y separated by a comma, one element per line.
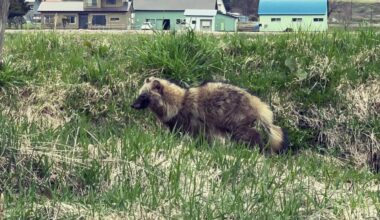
<point>157,86</point>
<point>148,80</point>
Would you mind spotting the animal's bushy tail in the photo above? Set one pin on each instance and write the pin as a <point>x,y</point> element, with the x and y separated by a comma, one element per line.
<point>278,139</point>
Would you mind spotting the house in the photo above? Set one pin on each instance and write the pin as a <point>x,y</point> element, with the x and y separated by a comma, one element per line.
<point>226,22</point>
<point>209,20</point>
<point>293,15</point>
<point>87,14</point>
<point>201,15</point>
<point>200,19</point>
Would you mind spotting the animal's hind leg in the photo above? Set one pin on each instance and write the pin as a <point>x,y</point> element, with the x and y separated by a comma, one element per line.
<point>216,137</point>
<point>248,136</point>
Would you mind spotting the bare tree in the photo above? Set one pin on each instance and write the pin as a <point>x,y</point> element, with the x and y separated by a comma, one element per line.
<point>345,14</point>
<point>4,6</point>
<point>332,6</point>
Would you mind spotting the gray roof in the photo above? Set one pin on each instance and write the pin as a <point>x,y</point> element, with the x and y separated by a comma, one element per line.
<point>200,12</point>
<point>71,6</point>
<point>124,8</point>
<point>172,5</point>
<point>75,6</point>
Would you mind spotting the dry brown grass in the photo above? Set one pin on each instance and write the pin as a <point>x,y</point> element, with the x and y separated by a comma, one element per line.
<point>206,184</point>
<point>332,125</point>
<point>41,104</point>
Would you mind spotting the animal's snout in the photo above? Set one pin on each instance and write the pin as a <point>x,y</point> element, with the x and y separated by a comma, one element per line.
<point>141,102</point>
<point>136,106</point>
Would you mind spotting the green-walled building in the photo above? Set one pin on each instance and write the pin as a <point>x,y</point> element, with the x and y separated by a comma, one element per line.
<point>293,15</point>
<point>200,15</point>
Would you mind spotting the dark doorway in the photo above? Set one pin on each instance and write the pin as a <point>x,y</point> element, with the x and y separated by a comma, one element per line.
<point>166,24</point>
<point>83,21</point>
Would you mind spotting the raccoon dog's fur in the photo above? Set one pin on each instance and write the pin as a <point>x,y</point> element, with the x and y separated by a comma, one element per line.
<point>215,109</point>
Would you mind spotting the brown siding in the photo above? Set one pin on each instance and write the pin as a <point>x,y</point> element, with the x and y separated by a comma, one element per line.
<point>122,23</point>
<point>59,20</point>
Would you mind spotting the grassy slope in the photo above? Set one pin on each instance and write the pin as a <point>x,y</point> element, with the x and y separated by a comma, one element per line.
<point>70,145</point>
<point>360,1</point>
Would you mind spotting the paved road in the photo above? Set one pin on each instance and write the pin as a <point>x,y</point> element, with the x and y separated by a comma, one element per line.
<point>110,31</point>
<point>142,32</point>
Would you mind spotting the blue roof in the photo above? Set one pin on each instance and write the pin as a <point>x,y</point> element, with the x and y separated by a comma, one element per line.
<point>292,7</point>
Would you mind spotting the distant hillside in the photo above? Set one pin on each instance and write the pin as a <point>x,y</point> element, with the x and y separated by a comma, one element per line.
<point>340,11</point>
<point>245,7</point>
<point>357,12</point>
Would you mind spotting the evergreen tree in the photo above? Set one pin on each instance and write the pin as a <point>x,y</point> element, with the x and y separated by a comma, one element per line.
<point>17,8</point>
<point>227,4</point>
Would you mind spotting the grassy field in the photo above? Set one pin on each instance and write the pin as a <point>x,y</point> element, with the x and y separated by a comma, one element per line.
<point>359,1</point>
<point>71,147</point>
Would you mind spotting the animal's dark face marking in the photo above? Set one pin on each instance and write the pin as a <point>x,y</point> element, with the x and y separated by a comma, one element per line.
<point>141,102</point>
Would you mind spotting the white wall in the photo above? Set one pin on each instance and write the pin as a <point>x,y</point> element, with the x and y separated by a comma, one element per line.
<point>197,26</point>
<point>307,23</point>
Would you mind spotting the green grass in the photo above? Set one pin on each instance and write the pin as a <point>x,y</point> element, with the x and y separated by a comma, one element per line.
<point>71,147</point>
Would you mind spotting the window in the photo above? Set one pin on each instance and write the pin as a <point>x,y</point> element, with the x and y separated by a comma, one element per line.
<point>49,19</point>
<point>194,22</point>
<point>151,21</point>
<point>296,19</point>
<point>70,19</point>
<point>99,20</point>
<point>91,3</point>
<point>275,19</point>
<point>181,21</point>
<point>318,19</point>
<point>37,18</point>
<point>115,19</point>
<point>111,2</point>
<point>206,24</point>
